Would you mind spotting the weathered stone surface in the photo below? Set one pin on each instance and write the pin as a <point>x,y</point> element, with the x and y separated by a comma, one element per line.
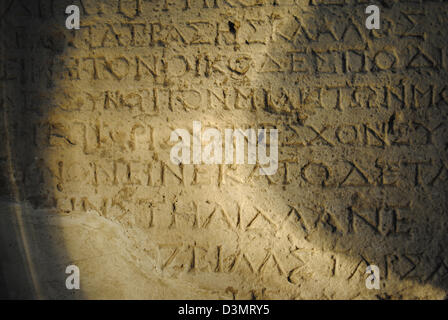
<point>87,116</point>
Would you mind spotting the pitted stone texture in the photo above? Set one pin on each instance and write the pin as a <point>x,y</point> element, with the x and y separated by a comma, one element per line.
<point>362,120</point>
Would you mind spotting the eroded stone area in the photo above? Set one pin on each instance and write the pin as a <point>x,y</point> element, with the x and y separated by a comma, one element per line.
<point>362,121</point>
